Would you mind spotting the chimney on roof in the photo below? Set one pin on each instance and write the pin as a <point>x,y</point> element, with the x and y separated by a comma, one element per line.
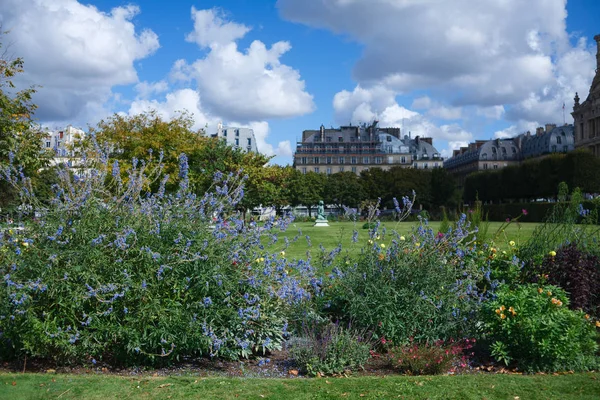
<point>428,140</point>
<point>549,127</point>
<point>539,131</point>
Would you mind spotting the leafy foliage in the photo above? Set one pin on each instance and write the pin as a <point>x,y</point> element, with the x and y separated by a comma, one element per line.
<point>330,349</point>
<point>130,276</point>
<point>424,287</point>
<point>531,327</point>
<point>431,358</point>
<point>575,271</point>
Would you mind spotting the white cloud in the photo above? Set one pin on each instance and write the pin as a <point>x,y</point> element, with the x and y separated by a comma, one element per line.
<point>174,103</point>
<point>245,86</point>
<point>365,105</point>
<point>515,130</point>
<point>76,53</point>
<point>507,59</point>
<point>210,30</point>
<point>146,89</point>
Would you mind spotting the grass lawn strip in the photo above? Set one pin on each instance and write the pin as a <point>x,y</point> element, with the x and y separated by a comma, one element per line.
<point>481,386</point>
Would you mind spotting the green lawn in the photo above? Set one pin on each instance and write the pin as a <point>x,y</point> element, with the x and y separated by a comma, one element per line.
<point>341,232</point>
<point>17,386</point>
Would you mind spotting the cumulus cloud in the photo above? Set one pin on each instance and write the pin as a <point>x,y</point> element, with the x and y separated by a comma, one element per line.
<point>245,86</point>
<point>75,53</point>
<point>485,54</point>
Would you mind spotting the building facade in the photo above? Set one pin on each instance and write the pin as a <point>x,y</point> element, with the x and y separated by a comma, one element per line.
<point>483,155</point>
<point>586,115</point>
<point>239,138</point>
<point>358,148</point>
<point>62,143</point>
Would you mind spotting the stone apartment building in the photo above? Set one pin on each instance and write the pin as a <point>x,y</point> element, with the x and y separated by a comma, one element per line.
<point>494,154</point>
<point>358,148</point>
<point>586,115</point>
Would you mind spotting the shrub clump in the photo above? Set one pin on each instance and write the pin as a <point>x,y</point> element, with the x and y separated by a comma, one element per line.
<point>431,358</point>
<point>532,328</point>
<point>429,286</point>
<point>330,349</point>
<point>576,271</point>
<point>113,272</point>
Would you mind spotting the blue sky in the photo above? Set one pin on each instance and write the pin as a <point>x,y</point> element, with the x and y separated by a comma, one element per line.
<point>456,71</point>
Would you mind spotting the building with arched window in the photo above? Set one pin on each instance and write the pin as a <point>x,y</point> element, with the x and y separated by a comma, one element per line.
<point>587,114</point>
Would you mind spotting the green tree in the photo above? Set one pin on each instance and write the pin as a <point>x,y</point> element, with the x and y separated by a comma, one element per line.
<point>20,138</point>
<point>344,189</point>
<point>307,189</point>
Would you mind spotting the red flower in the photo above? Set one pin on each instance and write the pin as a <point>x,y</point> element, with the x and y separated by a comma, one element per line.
<point>524,211</point>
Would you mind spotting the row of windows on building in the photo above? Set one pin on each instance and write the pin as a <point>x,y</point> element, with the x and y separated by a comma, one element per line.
<point>329,170</point>
<point>237,132</point>
<point>351,160</point>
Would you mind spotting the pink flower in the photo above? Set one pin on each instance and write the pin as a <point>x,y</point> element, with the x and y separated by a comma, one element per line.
<point>524,211</point>
<point>507,220</point>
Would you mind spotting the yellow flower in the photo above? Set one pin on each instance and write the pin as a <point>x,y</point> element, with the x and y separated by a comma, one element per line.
<point>503,252</point>
<point>262,259</point>
<point>25,244</point>
<point>383,245</point>
<point>540,290</point>
<point>347,262</point>
<point>549,293</point>
<point>10,231</point>
<point>417,244</point>
<point>402,238</point>
<point>282,254</point>
<point>587,316</point>
<point>502,316</point>
<point>512,311</point>
<point>552,253</point>
<point>370,241</point>
<point>502,308</point>
<point>498,311</point>
<point>511,243</point>
<point>378,237</point>
<point>257,260</point>
<point>598,324</point>
<point>494,250</point>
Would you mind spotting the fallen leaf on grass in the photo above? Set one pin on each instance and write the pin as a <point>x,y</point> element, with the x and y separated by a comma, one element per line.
<point>293,372</point>
<point>50,371</point>
<point>164,385</point>
<point>14,383</point>
<point>327,382</point>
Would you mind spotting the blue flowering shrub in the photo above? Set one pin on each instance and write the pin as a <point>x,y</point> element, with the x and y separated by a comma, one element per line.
<point>113,272</point>
<point>423,287</point>
<point>531,327</point>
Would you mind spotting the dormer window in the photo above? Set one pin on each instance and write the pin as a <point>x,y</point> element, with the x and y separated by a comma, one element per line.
<point>484,156</point>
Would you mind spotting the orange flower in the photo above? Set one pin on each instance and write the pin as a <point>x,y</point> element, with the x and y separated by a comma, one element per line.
<point>549,293</point>
<point>598,324</point>
<point>498,311</point>
<point>512,311</point>
<point>381,256</point>
<point>587,316</point>
<point>556,302</point>
<point>540,290</point>
<point>502,308</point>
<point>502,316</point>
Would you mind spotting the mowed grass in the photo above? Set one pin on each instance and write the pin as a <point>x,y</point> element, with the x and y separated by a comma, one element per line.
<point>16,386</point>
<point>341,232</point>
